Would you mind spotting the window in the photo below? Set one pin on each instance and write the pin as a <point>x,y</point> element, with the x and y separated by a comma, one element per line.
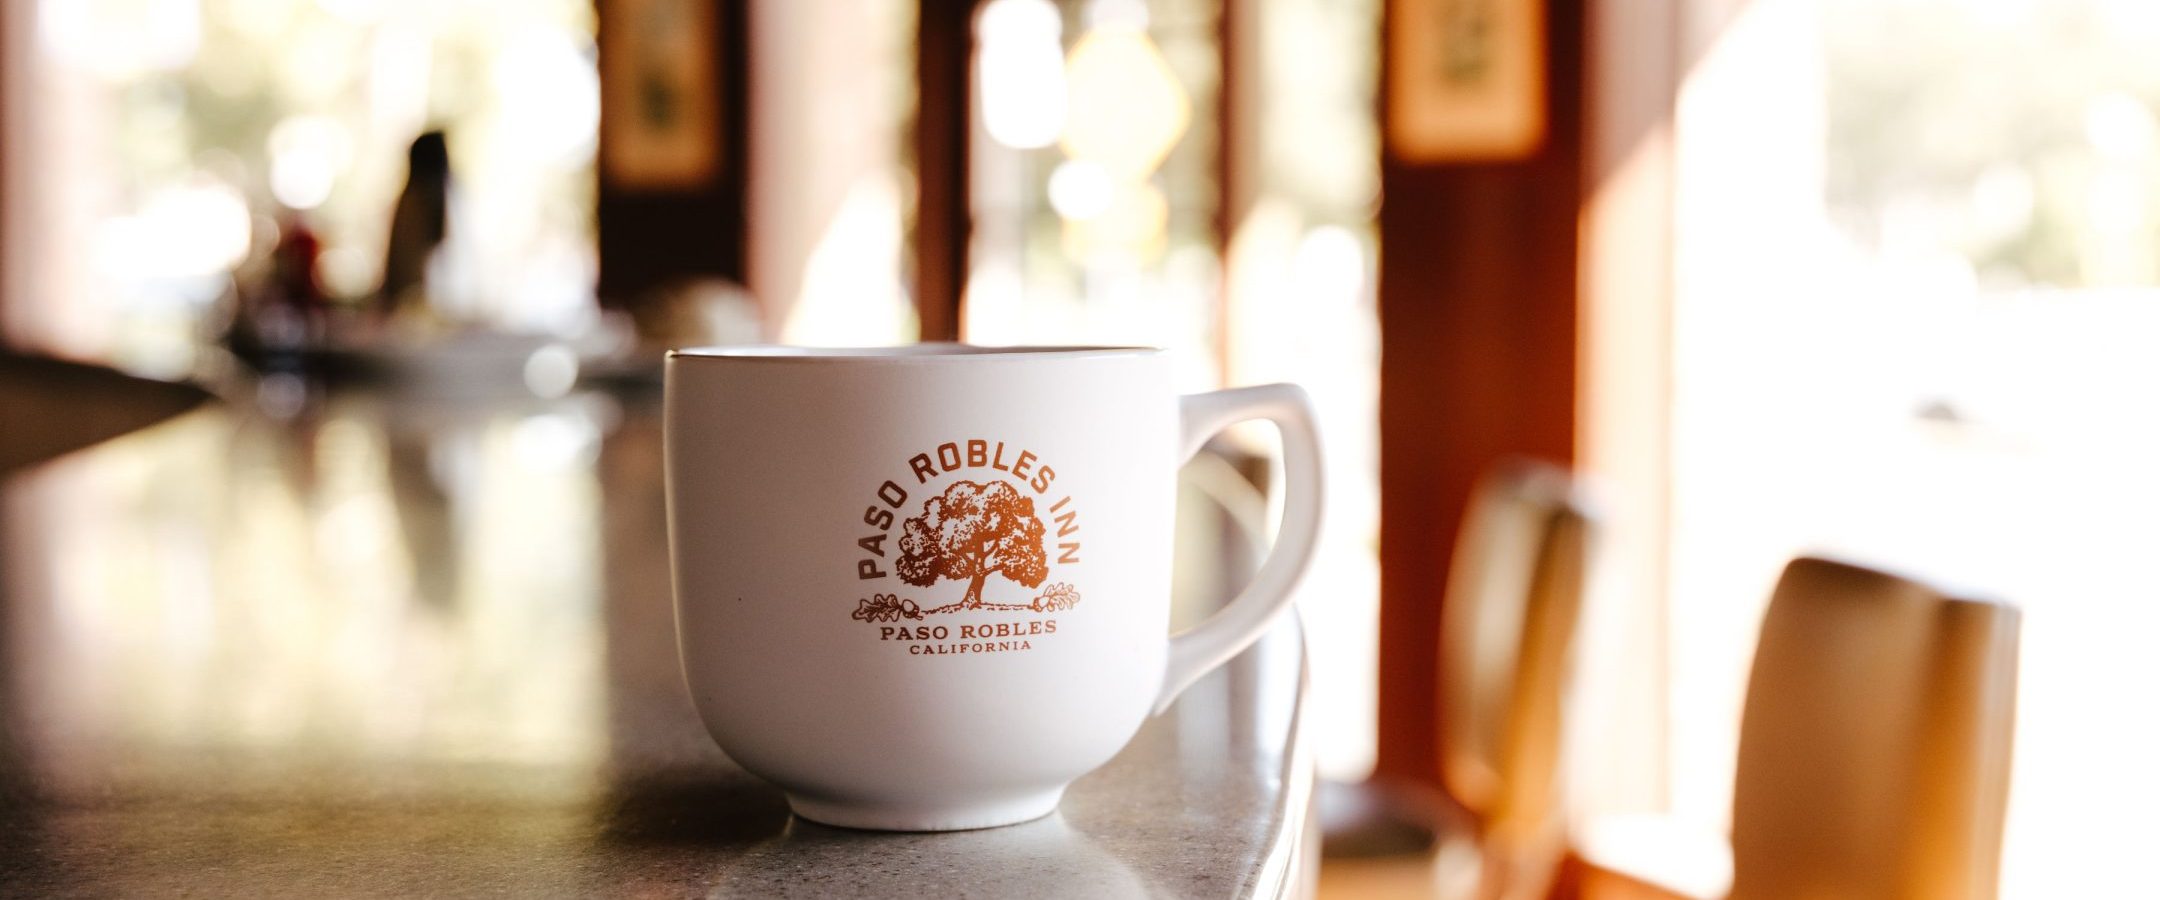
<point>1103,214</point>
<point>1917,288</point>
<point>159,145</point>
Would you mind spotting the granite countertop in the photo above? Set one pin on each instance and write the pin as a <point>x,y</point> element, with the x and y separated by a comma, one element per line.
<point>386,648</point>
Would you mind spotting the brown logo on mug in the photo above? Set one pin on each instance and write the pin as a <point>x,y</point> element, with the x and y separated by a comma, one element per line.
<point>965,534</point>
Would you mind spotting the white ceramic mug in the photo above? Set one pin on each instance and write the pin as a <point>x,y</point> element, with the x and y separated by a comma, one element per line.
<point>925,588</point>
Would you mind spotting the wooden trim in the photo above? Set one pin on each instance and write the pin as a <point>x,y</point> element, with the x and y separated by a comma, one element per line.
<point>1237,137</point>
<point>1238,178</point>
<point>9,338</point>
<point>944,47</point>
<point>1625,393</point>
<point>1477,302</point>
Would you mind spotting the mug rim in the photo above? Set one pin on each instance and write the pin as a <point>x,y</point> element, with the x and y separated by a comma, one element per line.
<point>918,353</point>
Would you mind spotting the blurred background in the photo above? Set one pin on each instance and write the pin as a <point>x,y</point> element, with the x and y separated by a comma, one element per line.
<point>1877,278</point>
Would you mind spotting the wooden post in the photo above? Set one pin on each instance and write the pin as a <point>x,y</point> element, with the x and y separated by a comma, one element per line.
<point>943,47</point>
<point>676,214</point>
<point>1477,302</point>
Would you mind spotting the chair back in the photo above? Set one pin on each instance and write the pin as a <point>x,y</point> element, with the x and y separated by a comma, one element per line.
<point>1875,745</point>
<point>1514,594</point>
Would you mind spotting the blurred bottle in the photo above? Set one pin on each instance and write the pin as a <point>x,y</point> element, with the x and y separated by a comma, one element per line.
<point>278,305</point>
<point>418,225</point>
<point>293,269</point>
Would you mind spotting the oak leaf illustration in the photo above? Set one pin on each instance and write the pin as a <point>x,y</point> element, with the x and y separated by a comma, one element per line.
<point>969,533</point>
<point>885,608</point>
<point>1056,597</point>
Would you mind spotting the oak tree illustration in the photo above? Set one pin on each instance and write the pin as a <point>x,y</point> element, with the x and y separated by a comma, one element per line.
<point>969,533</point>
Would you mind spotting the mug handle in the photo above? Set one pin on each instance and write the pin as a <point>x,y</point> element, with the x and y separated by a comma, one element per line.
<point>1198,650</point>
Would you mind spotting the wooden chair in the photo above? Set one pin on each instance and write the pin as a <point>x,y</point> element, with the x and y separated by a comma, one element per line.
<point>1874,747</point>
<point>1514,594</point>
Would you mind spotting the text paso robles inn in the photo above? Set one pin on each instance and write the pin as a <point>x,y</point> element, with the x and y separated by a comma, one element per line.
<point>1023,466</point>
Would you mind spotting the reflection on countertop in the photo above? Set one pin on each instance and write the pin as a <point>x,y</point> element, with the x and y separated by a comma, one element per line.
<point>388,647</point>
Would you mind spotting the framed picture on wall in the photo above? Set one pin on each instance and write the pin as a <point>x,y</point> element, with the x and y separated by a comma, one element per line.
<point>660,93</point>
<point>1465,80</point>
